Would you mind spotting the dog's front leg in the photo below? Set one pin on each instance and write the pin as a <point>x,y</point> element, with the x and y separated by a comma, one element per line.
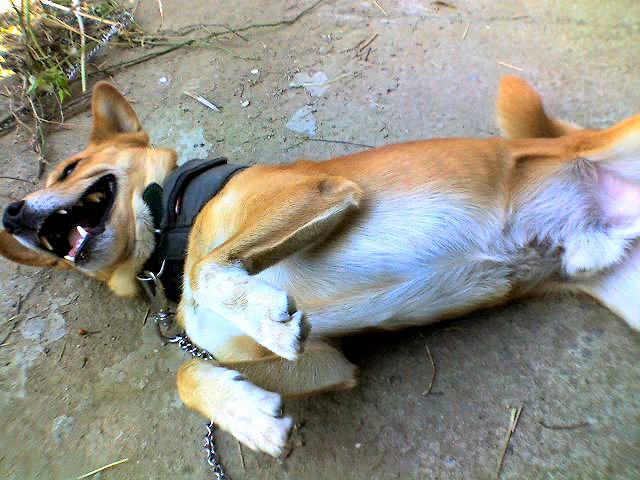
<point>261,311</point>
<point>232,402</point>
<point>273,225</point>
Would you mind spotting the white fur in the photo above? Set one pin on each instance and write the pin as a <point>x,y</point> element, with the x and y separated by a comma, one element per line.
<point>619,289</point>
<point>248,412</point>
<point>407,261</point>
<point>254,306</point>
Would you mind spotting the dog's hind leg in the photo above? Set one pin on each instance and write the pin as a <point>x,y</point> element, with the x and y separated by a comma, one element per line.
<point>239,396</point>
<point>320,368</point>
<point>303,209</point>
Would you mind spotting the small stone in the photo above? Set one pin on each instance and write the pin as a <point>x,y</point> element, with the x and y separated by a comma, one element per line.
<point>358,445</point>
<point>255,71</point>
<point>245,104</point>
<point>303,121</point>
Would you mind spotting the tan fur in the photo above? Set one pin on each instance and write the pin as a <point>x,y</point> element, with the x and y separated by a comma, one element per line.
<point>520,113</point>
<point>401,235</point>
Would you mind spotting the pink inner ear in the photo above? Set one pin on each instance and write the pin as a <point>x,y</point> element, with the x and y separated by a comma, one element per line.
<point>619,198</point>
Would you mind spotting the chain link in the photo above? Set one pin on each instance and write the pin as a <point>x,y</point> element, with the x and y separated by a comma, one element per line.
<point>185,343</point>
<point>212,456</point>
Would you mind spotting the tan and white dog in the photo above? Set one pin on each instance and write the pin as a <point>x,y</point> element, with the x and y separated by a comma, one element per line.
<point>396,236</point>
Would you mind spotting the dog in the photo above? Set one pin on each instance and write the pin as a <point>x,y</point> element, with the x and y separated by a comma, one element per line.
<point>402,235</point>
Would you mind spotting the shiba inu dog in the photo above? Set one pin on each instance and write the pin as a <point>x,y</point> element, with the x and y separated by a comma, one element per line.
<point>286,256</point>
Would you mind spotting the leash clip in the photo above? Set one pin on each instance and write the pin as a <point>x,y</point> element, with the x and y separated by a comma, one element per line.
<point>161,313</point>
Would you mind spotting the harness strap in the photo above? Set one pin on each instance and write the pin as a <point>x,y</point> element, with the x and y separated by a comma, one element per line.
<point>174,207</point>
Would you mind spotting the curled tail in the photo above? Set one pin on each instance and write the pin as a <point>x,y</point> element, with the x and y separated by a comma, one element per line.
<point>520,113</point>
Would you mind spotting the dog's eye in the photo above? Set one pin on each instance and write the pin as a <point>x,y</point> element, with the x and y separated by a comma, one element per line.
<point>68,170</point>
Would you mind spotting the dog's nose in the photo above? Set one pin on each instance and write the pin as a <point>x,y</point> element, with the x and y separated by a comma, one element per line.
<point>13,217</point>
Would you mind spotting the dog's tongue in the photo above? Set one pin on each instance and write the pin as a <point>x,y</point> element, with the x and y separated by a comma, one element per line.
<point>76,237</point>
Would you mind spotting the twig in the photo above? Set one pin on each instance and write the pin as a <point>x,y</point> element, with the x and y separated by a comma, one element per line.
<point>146,317</point>
<point>380,7</point>
<point>5,177</point>
<point>161,13</point>
<point>202,100</point>
<point>56,22</point>
<point>433,372</point>
<point>244,468</point>
<point>48,3</point>
<point>367,43</point>
<point>508,65</point>
<point>11,330</point>
<point>64,347</point>
<point>212,35</point>
<point>10,319</point>
<point>466,30</point>
<point>77,6</point>
<point>98,470</point>
<point>39,138</point>
<point>564,427</point>
<point>513,424</point>
<point>341,142</point>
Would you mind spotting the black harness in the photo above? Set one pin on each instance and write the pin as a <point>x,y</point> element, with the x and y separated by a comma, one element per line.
<point>174,207</point>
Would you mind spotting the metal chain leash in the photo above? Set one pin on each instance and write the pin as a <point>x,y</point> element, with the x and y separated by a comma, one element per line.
<point>163,318</point>
<point>212,456</point>
<point>185,343</point>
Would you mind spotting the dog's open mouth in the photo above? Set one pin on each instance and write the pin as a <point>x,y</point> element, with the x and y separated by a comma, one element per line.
<point>68,231</point>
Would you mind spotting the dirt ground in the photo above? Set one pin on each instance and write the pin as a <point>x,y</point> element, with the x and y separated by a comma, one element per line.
<point>71,403</point>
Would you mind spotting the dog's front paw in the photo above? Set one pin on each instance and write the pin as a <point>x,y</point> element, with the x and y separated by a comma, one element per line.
<point>283,329</point>
<point>256,419</point>
<point>286,338</point>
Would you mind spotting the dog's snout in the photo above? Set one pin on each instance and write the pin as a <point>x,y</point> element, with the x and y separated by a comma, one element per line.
<point>13,217</point>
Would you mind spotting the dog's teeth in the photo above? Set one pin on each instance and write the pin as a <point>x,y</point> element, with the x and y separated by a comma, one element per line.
<point>70,258</point>
<point>82,231</point>
<point>44,241</point>
<point>62,211</point>
<point>95,197</point>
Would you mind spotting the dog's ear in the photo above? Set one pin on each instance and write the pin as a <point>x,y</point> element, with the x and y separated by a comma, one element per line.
<point>16,252</point>
<point>520,113</point>
<point>113,115</point>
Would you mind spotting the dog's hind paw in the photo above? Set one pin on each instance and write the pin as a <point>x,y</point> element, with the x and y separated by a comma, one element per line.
<point>257,420</point>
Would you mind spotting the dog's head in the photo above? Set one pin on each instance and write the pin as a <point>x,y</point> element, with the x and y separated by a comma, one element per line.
<point>90,214</point>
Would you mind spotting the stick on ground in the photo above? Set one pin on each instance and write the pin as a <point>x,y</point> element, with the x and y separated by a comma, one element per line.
<point>513,424</point>
<point>98,470</point>
<point>508,65</point>
<point>564,427</point>
<point>433,372</point>
<point>203,101</point>
<point>380,8</point>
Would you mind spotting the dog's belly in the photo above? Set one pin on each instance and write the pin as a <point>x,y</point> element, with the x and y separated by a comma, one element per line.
<point>409,263</point>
